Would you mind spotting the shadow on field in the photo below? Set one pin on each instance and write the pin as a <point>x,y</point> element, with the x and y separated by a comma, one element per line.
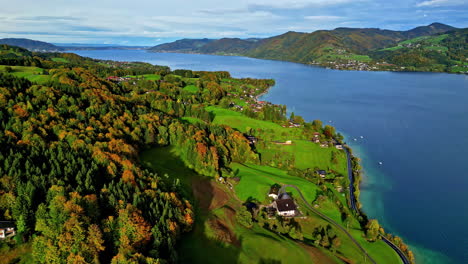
<point>211,239</point>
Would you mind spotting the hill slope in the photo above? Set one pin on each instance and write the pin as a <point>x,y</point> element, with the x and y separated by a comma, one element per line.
<point>441,52</point>
<point>182,45</point>
<point>32,45</point>
<point>342,48</point>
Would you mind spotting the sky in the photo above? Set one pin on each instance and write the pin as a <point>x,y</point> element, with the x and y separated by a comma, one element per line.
<point>151,22</point>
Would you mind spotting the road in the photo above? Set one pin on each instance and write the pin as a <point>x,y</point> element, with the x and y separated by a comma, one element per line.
<point>397,249</point>
<point>353,200</point>
<point>331,221</point>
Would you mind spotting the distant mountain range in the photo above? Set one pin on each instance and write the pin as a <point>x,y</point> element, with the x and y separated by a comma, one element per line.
<point>326,47</point>
<point>302,47</point>
<point>32,45</point>
<point>436,47</point>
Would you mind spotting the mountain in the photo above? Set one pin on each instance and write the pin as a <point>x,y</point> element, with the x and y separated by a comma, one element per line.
<point>182,45</point>
<point>228,46</point>
<point>441,52</point>
<point>32,45</point>
<point>322,46</point>
<point>431,29</point>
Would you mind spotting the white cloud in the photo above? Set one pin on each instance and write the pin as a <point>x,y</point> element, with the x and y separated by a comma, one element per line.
<point>292,4</point>
<point>436,3</point>
<point>323,18</point>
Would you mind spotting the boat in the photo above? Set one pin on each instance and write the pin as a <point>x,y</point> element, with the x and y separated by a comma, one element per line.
<point>380,162</point>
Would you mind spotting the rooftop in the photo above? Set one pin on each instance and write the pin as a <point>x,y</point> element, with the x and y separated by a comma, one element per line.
<point>285,205</point>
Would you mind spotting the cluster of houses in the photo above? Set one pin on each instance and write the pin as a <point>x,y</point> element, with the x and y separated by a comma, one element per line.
<point>283,204</point>
<point>291,124</point>
<point>326,144</point>
<point>118,79</point>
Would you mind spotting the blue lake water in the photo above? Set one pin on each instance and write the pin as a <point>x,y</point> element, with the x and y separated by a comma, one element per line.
<point>416,124</point>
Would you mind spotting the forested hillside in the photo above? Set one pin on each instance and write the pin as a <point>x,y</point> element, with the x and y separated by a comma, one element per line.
<point>127,162</point>
<point>442,52</point>
<point>70,176</point>
<point>32,45</point>
<point>341,48</point>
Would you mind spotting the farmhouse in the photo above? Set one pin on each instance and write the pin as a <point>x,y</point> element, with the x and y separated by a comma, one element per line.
<point>273,193</point>
<point>6,230</point>
<point>321,173</point>
<point>324,144</point>
<point>252,140</point>
<point>339,146</point>
<point>285,206</point>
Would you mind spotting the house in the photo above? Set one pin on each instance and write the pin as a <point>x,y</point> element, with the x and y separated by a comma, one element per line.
<point>316,134</point>
<point>288,142</point>
<point>6,231</point>
<point>324,144</point>
<point>316,140</point>
<point>252,140</point>
<point>273,193</point>
<point>339,146</point>
<point>321,173</point>
<point>285,206</point>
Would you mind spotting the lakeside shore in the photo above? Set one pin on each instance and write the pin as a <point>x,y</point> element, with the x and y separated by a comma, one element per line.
<point>342,66</point>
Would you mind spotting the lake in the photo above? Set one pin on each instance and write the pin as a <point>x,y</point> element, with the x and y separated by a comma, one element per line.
<point>415,124</point>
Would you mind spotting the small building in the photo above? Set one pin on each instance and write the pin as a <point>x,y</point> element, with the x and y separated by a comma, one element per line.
<point>339,146</point>
<point>324,144</point>
<point>273,193</point>
<point>288,142</point>
<point>316,134</point>
<point>321,173</point>
<point>316,140</point>
<point>252,140</point>
<point>285,206</point>
<point>6,231</point>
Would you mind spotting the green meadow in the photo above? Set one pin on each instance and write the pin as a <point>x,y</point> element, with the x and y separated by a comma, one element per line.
<point>191,88</point>
<point>151,77</point>
<point>250,244</point>
<point>63,60</point>
<point>256,181</point>
<point>239,121</point>
<point>34,74</point>
<point>310,155</point>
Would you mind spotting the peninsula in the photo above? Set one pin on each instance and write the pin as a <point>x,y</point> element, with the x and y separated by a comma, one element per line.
<point>127,162</point>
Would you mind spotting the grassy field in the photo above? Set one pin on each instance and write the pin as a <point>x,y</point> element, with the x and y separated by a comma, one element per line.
<point>193,120</point>
<point>34,74</point>
<point>310,155</point>
<point>256,181</point>
<point>151,77</point>
<point>191,88</point>
<point>60,60</point>
<point>202,245</point>
<point>243,123</point>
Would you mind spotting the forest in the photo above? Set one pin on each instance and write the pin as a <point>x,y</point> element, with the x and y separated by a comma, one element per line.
<point>79,186</point>
<point>70,176</point>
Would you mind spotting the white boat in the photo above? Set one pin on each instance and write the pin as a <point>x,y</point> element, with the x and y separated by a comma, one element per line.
<point>380,162</point>
<point>362,137</point>
<point>355,139</point>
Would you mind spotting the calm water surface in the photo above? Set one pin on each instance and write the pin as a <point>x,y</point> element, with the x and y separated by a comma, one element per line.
<point>416,124</point>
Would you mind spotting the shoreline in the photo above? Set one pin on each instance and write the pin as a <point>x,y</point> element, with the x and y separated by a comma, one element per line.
<point>325,65</point>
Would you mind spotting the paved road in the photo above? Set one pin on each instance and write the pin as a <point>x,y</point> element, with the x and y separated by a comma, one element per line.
<point>353,200</point>
<point>331,221</point>
<point>397,249</point>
